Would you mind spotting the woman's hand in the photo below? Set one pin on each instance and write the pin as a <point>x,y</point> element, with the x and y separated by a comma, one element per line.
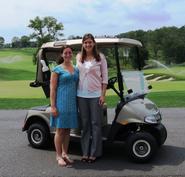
<point>54,111</point>
<point>102,100</point>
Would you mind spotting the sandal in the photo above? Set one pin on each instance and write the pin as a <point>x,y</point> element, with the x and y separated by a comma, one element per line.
<point>84,159</point>
<point>61,161</point>
<point>68,160</point>
<point>92,160</point>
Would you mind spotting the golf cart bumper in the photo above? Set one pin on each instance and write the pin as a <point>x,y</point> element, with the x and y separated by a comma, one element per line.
<point>160,133</point>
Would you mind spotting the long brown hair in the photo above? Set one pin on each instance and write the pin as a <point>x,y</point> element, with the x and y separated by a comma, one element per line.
<point>95,51</point>
<point>60,59</point>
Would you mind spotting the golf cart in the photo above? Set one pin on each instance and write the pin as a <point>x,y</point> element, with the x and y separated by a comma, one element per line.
<point>136,121</point>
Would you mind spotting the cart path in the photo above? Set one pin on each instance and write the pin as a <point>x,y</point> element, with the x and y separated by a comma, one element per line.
<point>18,159</point>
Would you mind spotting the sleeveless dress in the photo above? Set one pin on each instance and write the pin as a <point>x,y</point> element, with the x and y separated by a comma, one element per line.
<point>66,102</point>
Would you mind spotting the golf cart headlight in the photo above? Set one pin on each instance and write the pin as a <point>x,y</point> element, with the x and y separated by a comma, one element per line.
<point>151,119</point>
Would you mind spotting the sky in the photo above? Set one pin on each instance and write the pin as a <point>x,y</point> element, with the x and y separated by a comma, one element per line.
<point>99,17</point>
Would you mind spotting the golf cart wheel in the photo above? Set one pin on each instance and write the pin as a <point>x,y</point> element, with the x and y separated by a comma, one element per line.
<point>38,135</point>
<point>141,146</point>
<point>163,136</point>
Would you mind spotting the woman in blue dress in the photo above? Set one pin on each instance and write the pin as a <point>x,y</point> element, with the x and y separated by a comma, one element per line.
<point>63,86</point>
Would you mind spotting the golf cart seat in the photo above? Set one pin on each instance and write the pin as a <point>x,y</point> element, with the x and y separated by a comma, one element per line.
<point>43,73</point>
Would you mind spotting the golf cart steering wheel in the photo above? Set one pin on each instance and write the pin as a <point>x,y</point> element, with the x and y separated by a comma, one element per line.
<point>111,82</point>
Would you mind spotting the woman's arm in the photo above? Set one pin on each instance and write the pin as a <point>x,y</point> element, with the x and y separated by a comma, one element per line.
<point>53,89</point>
<point>78,57</point>
<point>104,73</point>
<point>104,69</point>
<point>103,92</point>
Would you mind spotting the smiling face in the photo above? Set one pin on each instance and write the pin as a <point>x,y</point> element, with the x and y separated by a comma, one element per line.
<point>88,45</point>
<point>67,55</point>
<point>89,48</point>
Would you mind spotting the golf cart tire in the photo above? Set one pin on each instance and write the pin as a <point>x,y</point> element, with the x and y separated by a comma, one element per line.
<point>141,146</point>
<point>163,135</point>
<point>38,136</point>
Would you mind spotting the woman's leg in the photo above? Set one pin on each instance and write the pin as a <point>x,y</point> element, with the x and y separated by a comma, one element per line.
<point>65,146</point>
<point>59,140</point>
<point>84,111</point>
<point>96,113</point>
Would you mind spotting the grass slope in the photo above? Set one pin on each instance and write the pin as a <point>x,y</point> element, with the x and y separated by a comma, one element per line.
<point>17,64</point>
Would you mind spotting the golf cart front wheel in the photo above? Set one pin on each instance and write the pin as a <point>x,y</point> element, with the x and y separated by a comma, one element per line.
<point>141,146</point>
<point>38,135</point>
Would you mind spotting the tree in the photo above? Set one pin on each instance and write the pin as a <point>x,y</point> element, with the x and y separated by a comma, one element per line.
<point>45,29</point>
<point>170,44</point>
<point>1,42</point>
<point>16,43</point>
<point>25,41</point>
<point>154,43</point>
<point>74,37</point>
<point>141,36</point>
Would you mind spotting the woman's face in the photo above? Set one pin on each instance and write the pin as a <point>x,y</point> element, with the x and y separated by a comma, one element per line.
<point>67,55</point>
<point>88,45</point>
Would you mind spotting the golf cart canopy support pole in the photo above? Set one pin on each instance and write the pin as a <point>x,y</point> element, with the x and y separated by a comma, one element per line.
<point>119,75</point>
<point>139,60</point>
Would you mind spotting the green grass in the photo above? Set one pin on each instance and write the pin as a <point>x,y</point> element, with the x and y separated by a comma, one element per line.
<point>19,51</point>
<point>161,99</point>
<point>19,89</point>
<point>16,74</point>
<point>163,86</point>
<point>168,98</point>
<point>177,72</point>
<point>22,103</point>
<point>163,93</point>
<point>17,64</point>
<point>17,71</point>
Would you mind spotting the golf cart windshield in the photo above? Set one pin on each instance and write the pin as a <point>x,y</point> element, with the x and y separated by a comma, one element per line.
<point>135,81</point>
<point>128,63</point>
<point>133,77</point>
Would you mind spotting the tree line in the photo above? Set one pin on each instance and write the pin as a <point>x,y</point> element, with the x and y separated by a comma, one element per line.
<point>166,44</point>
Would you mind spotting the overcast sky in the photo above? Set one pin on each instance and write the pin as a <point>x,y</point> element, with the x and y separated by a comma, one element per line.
<point>100,17</point>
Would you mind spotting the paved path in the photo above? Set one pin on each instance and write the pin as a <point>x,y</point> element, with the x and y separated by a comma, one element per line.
<point>18,159</point>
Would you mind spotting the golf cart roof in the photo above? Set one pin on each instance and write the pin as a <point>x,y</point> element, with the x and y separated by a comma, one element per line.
<point>101,42</point>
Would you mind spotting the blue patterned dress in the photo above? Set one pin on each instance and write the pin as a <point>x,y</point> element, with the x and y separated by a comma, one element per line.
<point>66,102</point>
